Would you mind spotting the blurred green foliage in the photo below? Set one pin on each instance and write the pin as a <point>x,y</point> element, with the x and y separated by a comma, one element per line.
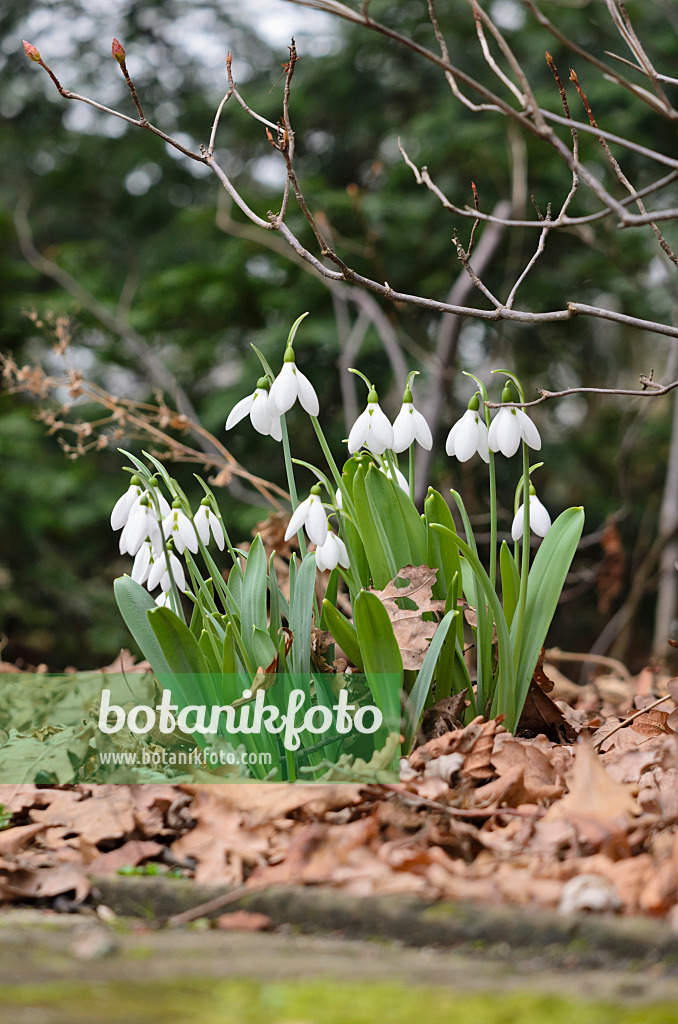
<point>139,227</point>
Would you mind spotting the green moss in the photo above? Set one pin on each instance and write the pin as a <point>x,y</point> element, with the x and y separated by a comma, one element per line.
<point>209,1001</point>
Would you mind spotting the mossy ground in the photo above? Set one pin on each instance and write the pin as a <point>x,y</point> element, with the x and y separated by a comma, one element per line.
<point>210,1001</point>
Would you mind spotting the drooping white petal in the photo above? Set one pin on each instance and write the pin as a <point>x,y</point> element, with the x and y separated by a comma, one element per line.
<point>379,430</point>
<point>483,447</point>
<point>298,518</point>
<point>178,572</point>
<point>504,435</point>
<point>327,554</point>
<point>358,433</point>
<point>466,438</point>
<point>276,428</point>
<point>422,431</point>
<point>142,563</point>
<point>201,524</point>
<point>540,520</point>
<point>216,528</point>
<point>528,431</point>
<point>163,600</point>
<point>306,392</point>
<point>123,507</point>
<point>186,532</point>
<point>239,411</point>
<point>404,428</point>
<point>316,521</point>
<point>338,499</point>
<point>452,438</point>
<point>158,570</point>
<point>343,553</point>
<point>517,524</point>
<point>283,393</point>
<point>260,414</point>
<point>138,528</point>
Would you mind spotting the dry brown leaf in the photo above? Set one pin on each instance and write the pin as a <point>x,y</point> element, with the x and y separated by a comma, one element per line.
<point>244,921</point>
<point>413,633</point>
<point>593,794</point>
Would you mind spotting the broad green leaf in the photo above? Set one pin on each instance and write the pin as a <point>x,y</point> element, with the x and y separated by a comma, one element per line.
<point>441,553</point>
<point>301,616</point>
<point>254,588</point>
<point>180,648</point>
<point>344,633</point>
<point>544,586</point>
<point>263,648</point>
<point>377,549</point>
<point>381,655</point>
<point>135,603</point>
<point>510,581</point>
<point>425,675</point>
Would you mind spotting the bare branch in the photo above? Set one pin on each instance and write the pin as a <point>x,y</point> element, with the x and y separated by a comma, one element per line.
<point>649,389</point>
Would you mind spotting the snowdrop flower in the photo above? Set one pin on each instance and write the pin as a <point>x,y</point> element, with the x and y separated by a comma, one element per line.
<point>258,406</point>
<point>371,429</point>
<point>142,524</point>
<point>311,515</point>
<point>540,520</point>
<point>125,503</point>
<point>332,553</point>
<point>289,385</point>
<point>142,562</point>
<point>204,521</point>
<point>163,600</point>
<point>469,435</point>
<point>511,426</point>
<point>159,573</point>
<point>179,527</point>
<point>410,426</point>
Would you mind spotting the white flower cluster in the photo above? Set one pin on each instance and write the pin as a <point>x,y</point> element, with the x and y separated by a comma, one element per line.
<point>146,519</point>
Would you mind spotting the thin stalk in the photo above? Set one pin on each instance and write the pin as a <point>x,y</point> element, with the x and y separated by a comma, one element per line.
<point>493,521</point>
<point>525,567</point>
<point>334,469</point>
<point>411,472</point>
<point>291,485</point>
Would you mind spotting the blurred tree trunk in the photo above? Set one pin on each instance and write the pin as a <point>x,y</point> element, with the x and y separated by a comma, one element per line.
<point>665,613</point>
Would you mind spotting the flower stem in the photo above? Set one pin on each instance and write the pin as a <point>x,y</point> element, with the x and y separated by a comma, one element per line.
<point>289,468</point>
<point>493,521</point>
<point>525,567</point>
<point>410,471</point>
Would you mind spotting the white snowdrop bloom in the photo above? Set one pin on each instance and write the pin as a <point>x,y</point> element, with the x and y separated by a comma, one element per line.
<point>312,516</point>
<point>339,502</point>
<point>410,426</point>
<point>163,600</point>
<point>332,553</point>
<point>125,503</point>
<point>469,435</point>
<point>258,406</point>
<point>159,573</point>
<point>540,520</point>
<point>511,426</point>
<point>142,562</point>
<point>401,479</point>
<point>206,521</point>
<point>371,429</point>
<point>179,527</point>
<point>289,385</point>
<point>141,525</point>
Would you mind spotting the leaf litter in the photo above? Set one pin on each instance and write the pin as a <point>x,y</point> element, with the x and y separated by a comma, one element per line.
<point>583,819</point>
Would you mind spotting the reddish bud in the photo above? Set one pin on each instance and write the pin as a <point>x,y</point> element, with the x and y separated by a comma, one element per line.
<point>118,51</point>
<point>32,52</point>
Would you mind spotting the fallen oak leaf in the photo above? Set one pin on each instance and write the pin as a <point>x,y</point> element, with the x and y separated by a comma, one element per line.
<point>593,794</point>
<point>412,632</point>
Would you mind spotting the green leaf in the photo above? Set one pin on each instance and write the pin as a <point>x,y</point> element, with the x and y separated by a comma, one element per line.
<point>441,552</point>
<point>254,588</point>
<point>544,585</point>
<point>510,581</point>
<point>421,688</point>
<point>135,603</point>
<point>263,648</point>
<point>381,655</point>
<point>377,549</point>
<point>180,648</point>
<point>301,616</point>
<point>344,633</point>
